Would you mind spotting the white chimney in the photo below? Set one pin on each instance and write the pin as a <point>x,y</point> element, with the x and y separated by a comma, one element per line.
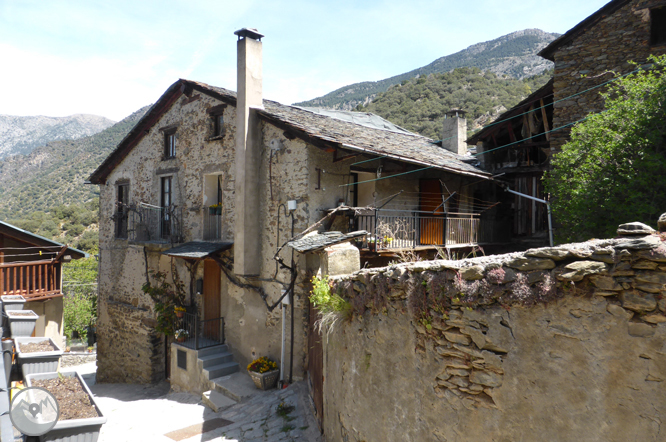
<point>247,244</point>
<point>454,132</point>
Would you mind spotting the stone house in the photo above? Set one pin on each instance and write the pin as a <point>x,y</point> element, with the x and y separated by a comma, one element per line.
<point>598,47</point>
<point>519,144</point>
<point>31,266</point>
<point>208,187</point>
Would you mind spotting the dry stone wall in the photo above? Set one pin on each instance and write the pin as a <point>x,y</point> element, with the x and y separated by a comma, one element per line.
<point>557,344</point>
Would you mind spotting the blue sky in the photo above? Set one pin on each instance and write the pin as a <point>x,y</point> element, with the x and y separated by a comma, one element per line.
<point>60,57</point>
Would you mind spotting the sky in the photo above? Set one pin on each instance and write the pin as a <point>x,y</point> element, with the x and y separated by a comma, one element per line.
<point>110,58</point>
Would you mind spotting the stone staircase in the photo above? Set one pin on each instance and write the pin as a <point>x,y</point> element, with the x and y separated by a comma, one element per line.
<point>216,362</point>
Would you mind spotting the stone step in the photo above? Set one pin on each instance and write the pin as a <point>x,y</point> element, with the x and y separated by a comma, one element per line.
<point>222,348</point>
<point>216,359</point>
<point>220,370</point>
<point>237,386</point>
<point>216,400</point>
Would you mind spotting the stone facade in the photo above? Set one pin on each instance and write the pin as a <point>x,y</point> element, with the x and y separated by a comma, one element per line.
<point>592,57</point>
<point>557,344</point>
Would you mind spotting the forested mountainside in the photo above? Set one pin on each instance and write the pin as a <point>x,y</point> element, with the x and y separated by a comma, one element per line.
<point>419,104</point>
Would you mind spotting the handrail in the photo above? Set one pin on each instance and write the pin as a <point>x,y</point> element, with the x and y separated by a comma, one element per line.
<point>201,333</point>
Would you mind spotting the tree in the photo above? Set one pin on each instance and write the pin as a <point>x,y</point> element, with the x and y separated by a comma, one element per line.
<point>612,170</point>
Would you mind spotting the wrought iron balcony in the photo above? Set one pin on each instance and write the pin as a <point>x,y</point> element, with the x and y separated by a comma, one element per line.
<point>148,223</point>
<point>212,223</point>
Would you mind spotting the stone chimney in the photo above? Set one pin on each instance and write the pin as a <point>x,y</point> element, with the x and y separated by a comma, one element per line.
<point>247,244</point>
<point>454,132</point>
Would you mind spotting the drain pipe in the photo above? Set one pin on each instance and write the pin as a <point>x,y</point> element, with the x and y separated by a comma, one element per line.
<point>285,301</point>
<point>550,214</point>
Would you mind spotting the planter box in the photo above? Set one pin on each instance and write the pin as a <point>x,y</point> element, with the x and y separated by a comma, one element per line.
<point>73,430</point>
<point>12,302</point>
<point>40,361</point>
<point>265,381</point>
<point>21,326</point>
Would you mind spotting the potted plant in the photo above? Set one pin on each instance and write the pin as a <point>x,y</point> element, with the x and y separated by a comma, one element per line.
<point>37,355</point>
<point>182,335</point>
<point>386,241</point>
<point>372,243</point>
<point>76,422</point>
<point>264,373</point>
<point>215,209</point>
<point>180,311</point>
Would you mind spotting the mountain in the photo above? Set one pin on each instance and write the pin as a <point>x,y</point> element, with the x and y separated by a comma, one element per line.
<point>514,55</point>
<point>419,104</point>
<point>20,135</point>
<point>53,174</point>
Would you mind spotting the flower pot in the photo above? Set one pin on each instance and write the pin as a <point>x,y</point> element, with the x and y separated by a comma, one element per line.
<point>212,210</point>
<point>372,246</point>
<point>12,302</point>
<point>265,381</point>
<point>73,430</point>
<point>181,339</point>
<point>37,362</point>
<point>180,314</point>
<point>21,322</point>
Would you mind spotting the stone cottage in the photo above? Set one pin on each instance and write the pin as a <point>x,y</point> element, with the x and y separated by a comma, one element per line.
<point>210,185</point>
<point>519,144</point>
<point>600,46</point>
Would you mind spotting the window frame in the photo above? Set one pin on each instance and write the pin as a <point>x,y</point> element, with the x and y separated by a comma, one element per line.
<point>166,202</point>
<point>658,23</point>
<point>170,144</point>
<point>121,229</point>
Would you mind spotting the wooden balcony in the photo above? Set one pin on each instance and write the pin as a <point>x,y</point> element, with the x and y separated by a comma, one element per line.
<point>418,229</point>
<point>33,280</point>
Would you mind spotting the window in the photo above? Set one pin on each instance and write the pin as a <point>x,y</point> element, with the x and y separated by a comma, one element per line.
<point>218,125</point>
<point>122,203</point>
<point>165,202</point>
<point>658,26</point>
<point>170,144</point>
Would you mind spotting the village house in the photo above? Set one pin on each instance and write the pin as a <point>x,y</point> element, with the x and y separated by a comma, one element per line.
<point>31,266</point>
<point>517,147</point>
<point>209,186</point>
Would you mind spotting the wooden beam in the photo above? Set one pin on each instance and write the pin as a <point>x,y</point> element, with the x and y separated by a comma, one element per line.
<point>546,126</point>
<point>512,136</point>
<point>346,157</point>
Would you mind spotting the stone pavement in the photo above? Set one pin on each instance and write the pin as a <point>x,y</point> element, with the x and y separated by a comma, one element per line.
<point>153,413</point>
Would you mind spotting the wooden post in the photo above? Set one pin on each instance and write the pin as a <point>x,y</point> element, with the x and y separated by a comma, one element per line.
<point>546,127</point>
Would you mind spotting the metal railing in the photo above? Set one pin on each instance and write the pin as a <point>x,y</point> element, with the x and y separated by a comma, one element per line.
<point>30,279</point>
<point>200,333</point>
<point>212,225</point>
<point>418,229</point>
<point>155,224</point>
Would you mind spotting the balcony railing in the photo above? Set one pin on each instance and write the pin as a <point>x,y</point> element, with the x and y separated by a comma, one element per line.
<point>38,279</point>
<point>155,224</point>
<point>201,334</point>
<point>401,231</point>
<point>212,225</point>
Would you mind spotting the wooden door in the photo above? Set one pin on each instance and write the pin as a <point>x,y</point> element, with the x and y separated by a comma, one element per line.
<point>431,227</point>
<point>316,367</point>
<point>211,296</point>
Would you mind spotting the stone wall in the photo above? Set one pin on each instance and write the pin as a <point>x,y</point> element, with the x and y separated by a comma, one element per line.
<point>557,344</point>
<point>593,57</point>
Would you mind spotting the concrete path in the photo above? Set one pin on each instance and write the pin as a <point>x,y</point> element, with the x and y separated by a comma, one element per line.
<point>152,413</point>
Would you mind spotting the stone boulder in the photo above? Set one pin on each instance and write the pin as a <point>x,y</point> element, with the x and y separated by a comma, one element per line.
<point>635,228</point>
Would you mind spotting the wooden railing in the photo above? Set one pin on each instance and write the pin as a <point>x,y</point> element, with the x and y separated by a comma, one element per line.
<point>36,279</point>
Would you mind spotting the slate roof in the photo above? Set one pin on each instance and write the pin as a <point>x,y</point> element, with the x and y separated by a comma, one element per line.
<point>549,51</point>
<point>318,241</point>
<point>197,249</point>
<point>318,129</point>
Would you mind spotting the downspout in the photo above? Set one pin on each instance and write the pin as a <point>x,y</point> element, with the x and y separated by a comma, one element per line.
<point>550,213</point>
